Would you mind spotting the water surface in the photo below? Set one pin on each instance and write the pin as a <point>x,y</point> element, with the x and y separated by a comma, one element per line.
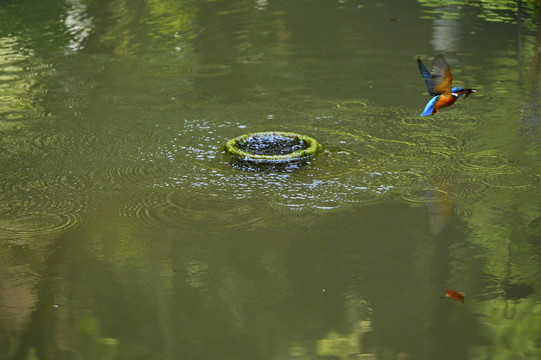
<point>126,233</point>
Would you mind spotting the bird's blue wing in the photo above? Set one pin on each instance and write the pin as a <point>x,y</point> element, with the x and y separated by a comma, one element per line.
<point>425,74</point>
<point>430,106</point>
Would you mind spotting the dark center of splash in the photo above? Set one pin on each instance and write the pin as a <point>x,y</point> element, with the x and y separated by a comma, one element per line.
<point>271,145</point>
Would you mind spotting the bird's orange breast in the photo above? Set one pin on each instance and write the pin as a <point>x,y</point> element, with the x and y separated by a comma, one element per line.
<point>444,101</point>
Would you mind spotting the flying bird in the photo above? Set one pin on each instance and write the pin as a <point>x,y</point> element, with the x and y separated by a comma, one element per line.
<point>438,81</point>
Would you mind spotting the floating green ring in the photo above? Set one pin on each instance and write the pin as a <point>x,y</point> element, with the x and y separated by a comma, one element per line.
<point>313,148</point>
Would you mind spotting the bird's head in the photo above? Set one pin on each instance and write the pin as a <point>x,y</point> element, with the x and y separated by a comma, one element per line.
<point>458,91</point>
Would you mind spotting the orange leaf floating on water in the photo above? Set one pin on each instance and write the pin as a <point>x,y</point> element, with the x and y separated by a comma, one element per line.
<point>457,295</point>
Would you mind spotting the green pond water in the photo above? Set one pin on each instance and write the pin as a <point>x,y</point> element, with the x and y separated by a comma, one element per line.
<point>127,232</point>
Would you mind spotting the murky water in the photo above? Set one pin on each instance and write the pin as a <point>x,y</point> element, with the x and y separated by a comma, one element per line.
<point>126,233</point>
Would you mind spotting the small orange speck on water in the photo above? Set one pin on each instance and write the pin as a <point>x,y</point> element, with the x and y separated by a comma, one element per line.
<point>457,295</point>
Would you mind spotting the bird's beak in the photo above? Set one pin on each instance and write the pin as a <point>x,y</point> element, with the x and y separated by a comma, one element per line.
<point>469,92</point>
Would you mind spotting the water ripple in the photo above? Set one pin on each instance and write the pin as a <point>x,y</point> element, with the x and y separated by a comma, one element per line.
<point>512,180</point>
<point>369,155</point>
<point>483,161</point>
<point>425,196</point>
<point>55,140</point>
<point>490,169</point>
<point>37,215</point>
<point>35,181</point>
<point>318,110</point>
<point>186,211</point>
<point>128,175</point>
<point>212,70</point>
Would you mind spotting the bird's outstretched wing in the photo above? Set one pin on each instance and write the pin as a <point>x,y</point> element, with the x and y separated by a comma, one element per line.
<point>439,80</point>
<point>429,108</point>
<point>425,74</point>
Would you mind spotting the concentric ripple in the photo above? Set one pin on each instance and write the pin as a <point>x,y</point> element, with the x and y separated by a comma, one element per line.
<point>52,182</point>
<point>491,169</point>
<point>484,161</point>
<point>128,175</point>
<point>369,154</point>
<point>459,185</point>
<point>181,210</point>
<point>318,110</point>
<point>65,140</point>
<point>37,215</point>
<point>512,180</point>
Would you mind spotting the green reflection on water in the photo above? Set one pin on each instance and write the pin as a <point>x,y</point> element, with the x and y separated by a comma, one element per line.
<point>126,233</point>
<point>488,10</point>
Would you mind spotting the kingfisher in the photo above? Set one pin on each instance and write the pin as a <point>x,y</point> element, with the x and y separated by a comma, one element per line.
<point>438,81</point>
